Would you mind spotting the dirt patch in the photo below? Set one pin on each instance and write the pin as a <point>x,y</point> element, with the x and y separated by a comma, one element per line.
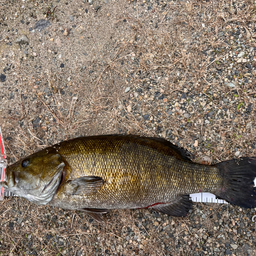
<point>183,70</point>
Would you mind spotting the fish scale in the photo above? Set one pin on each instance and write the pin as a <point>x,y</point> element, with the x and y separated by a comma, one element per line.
<point>135,174</point>
<point>105,172</point>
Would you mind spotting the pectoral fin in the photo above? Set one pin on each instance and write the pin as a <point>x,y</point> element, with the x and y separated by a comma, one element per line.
<point>84,185</point>
<point>178,207</point>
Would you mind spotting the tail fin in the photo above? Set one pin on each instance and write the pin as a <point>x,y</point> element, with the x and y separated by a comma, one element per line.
<point>239,182</point>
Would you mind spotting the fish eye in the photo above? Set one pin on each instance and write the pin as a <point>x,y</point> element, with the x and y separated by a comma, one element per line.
<point>25,163</point>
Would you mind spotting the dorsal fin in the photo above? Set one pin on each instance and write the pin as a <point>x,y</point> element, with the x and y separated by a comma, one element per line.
<point>183,153</point>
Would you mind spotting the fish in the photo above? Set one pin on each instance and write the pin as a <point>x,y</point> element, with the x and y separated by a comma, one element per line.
<point>96,174</point>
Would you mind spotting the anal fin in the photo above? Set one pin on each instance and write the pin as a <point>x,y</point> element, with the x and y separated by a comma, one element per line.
<point>178,207</point>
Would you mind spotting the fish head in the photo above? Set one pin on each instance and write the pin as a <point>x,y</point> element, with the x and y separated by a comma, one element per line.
<point>36,177</point>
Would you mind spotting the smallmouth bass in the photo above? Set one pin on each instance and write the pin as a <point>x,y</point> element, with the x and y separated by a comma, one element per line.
<point>100,173</point>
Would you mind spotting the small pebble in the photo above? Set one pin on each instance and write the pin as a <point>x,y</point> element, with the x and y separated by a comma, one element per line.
<point>36,122</point>
<point>66,32</point>
<point>42,24</point>
<point>97,8</point>
<point>2,78</point>
<point>228,252</point>
<point>205,160</point>
<point>146,117</point>
<point>22,40</point>
<point>127,89</point>
<point>230,84</point>
<point>241,54</point>
<point>234,246</point>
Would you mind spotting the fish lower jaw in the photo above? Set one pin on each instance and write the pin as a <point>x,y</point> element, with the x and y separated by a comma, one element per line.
<point>38,200</point>
<point>40,196</point>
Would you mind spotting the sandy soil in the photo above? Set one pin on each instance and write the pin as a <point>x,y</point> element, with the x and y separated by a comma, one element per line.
<point>182,70</point>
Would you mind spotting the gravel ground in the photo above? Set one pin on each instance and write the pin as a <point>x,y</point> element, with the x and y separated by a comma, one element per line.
<point>182,70</point>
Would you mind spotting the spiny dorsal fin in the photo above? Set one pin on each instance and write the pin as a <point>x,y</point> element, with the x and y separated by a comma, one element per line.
<point>183,153</point>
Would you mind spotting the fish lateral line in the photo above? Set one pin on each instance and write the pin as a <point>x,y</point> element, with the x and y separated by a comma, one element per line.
<point>121,171</point>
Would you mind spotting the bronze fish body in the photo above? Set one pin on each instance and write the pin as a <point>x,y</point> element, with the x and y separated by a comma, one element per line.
<point>106,172</point>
